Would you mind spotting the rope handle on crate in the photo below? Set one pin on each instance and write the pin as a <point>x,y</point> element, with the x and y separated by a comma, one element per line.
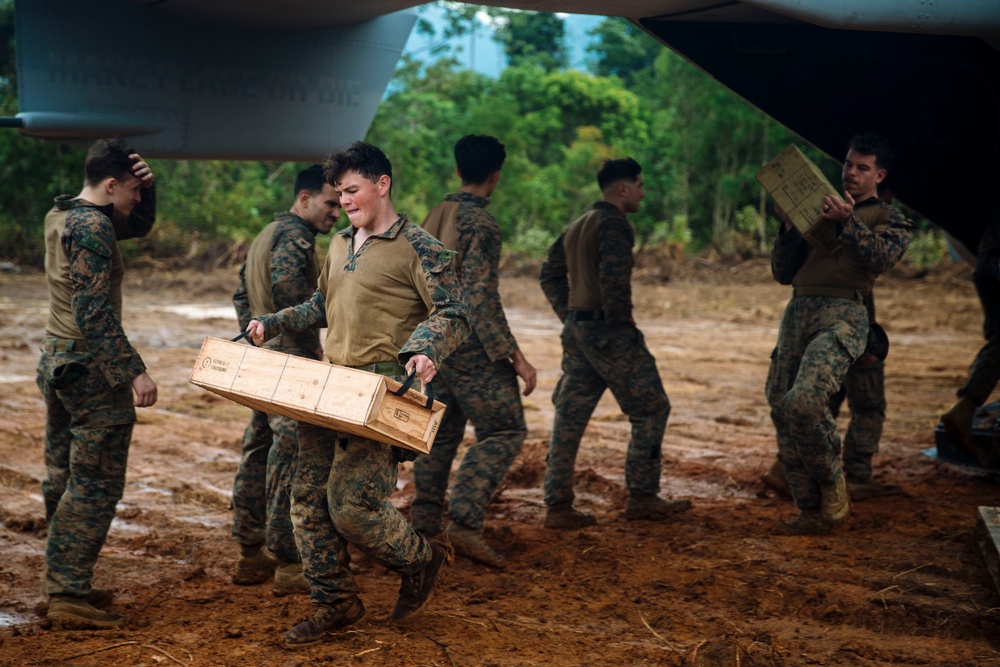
<point>428,388</point>
<point>241,337</point>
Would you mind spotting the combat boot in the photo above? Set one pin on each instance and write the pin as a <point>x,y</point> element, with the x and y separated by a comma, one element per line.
<point>653,508</point>
<point>255,566</point>
<point>415,589</point>
<point>958,424</point>
<point>100,598</point>
<point>75,613</point>
<point>325,620</point>
<point>469,542</point>
<point>775,480</point>
<point>807,522</point>
<point>835,502</point>
<point>289,580</point>
<point>564,517</point>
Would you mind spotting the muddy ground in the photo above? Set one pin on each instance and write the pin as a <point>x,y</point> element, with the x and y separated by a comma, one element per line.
<point>903,583</point>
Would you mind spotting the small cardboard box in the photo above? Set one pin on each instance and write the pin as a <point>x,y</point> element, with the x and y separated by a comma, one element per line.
<point>798,187</point>
<point>317,392</point>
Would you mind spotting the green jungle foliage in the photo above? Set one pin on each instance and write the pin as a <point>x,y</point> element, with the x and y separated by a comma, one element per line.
<point>699,146</point>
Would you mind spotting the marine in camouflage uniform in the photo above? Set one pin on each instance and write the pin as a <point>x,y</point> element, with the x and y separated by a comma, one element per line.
<point>87,373</point>
<point>478,383</point>
<point>864,391</point>
<point>394,305</point>
<point>824,329</point>
<point>281,271</point>
<point>587,280</point>
<point>985,369</point>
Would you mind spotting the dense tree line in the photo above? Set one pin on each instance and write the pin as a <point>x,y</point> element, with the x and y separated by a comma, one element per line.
<point>699,145</point>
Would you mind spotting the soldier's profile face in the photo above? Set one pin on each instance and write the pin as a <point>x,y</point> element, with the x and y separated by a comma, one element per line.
<point>323,209</point>
<point>125,194</point>
<point>634,194</point>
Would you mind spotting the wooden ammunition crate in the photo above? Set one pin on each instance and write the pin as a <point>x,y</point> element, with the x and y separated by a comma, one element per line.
<point>798,187</point>
<point>317,392</point>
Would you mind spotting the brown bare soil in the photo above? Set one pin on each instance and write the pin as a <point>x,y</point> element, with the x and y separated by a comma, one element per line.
<point>903,583</point>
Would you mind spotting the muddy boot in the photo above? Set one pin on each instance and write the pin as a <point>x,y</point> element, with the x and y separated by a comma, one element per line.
<point>835,502</point>
<point>958,424</point>
<point>255,566</point>
<point>75,613</point>
<point>100,598</point>
<point>860,490</point>
<point>415,589</point>
<point>653,508</point>
<point>564,517</point>
<point>775,480</point>
<point>325,620</point>
<point>469,542</point>
<point>807,522</point>
<point>289,580</point>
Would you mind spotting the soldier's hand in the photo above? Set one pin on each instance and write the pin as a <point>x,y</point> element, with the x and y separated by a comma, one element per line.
<point>525,371</point>
<point>837,209</point>
<point>256,329</point>
<point>142,171</point>
<point>145,390</point>
<point>423,366</point>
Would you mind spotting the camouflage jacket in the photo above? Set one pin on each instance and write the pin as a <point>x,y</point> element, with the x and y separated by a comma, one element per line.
<point>607,267</point>
<point>89,242</point>
<point>290,264</point>
<point>479,246</point>
<point>871,242</point>
<point>442,318</point>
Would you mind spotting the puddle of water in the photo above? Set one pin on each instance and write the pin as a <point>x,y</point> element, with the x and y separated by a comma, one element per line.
<point>127,526</point>
<point>10,619</point>
<point>195,311</point>
<point>207,520</point>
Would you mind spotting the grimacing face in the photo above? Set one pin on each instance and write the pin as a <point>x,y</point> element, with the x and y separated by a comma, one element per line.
<point>359,197</point>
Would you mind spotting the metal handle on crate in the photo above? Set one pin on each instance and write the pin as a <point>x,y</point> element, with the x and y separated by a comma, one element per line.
<point>428,389</point>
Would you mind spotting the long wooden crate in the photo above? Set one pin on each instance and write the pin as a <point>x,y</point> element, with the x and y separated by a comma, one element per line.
<point>317,392</point>
<point>798,187</point>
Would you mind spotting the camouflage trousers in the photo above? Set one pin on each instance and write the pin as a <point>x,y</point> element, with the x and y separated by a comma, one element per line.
<point>599,356</point>
<point>261,490</point>
<point>818,340</point>
<point>340,496</point>
<point>864,389</point>
<point>486,393</point>
<point>985,369</point>
<point>88,428</point>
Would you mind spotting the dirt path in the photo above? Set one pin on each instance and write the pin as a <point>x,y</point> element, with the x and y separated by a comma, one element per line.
<point>902,584</point>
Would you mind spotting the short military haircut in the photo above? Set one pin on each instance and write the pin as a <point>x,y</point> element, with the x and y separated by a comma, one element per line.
<point>477,156</point>
<point>108,158</point>
<point>367,160</point>
<point>622,169</point>
<point>871,143</point>
<point>311,180</point>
